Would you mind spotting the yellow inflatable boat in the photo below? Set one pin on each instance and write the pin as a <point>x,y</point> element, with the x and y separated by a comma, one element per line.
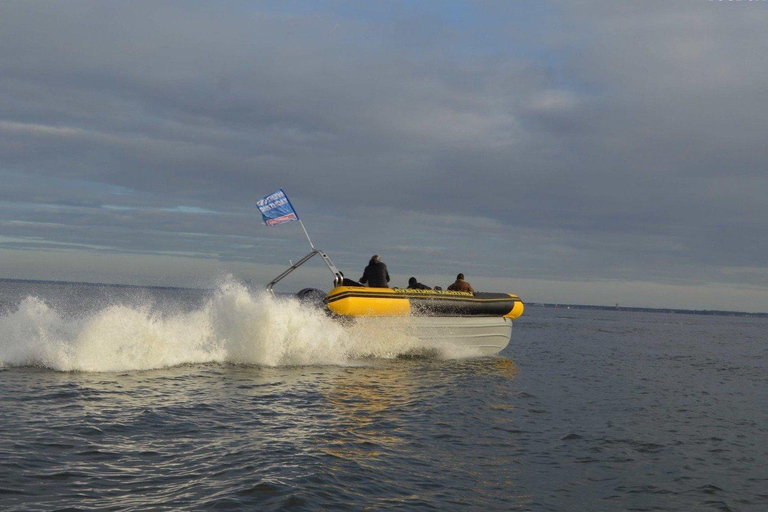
<point>480,323</point>
<point>358,301</point>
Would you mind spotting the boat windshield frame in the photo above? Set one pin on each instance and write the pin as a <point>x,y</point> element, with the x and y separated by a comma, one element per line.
<point>338,279</point>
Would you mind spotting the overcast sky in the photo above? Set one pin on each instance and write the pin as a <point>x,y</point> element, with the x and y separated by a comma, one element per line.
<point>583,152</point>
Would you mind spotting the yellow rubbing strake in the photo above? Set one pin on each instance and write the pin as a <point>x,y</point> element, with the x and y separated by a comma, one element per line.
<point>376,304</point>
<point>359,301</point>
<point>517,310</point>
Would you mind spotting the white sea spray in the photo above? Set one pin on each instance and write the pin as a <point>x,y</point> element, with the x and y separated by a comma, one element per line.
<point>234,326</point>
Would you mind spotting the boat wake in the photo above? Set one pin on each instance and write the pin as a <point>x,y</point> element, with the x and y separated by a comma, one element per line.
<point>234,326</point>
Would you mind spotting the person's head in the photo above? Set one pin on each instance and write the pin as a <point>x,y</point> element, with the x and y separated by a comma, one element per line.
<point>411,281</point>
<point>460,277</point>
<point>375,258</point>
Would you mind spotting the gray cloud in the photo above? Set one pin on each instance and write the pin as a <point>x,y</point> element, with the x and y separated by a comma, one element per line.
<point>599,141</point>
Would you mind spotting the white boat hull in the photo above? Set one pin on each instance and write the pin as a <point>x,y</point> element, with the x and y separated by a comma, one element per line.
<point>449,337</point>
<point>477,335</point>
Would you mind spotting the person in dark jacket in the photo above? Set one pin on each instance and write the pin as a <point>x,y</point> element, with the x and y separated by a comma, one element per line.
<point>375,274</point>
<point>460,285</point>
<point>413,284</point>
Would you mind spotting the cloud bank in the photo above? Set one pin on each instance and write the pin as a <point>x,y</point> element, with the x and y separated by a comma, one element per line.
<point>599,143</point>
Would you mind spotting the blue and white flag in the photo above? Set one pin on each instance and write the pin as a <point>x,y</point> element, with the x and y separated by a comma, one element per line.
<point>276,209</point>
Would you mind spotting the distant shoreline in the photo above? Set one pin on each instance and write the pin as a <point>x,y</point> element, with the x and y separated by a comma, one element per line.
<point>533,304</point>
<point>712,312</point>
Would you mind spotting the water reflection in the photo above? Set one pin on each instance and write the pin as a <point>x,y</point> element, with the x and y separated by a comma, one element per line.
<point>504,367</point>
<point>372,405</point>
<point>368,404</point>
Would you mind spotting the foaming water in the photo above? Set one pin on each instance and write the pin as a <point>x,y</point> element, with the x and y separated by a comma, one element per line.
<point>233,326</point>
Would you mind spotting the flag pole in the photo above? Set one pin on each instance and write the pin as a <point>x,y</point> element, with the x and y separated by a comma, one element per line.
<point>307,235</point>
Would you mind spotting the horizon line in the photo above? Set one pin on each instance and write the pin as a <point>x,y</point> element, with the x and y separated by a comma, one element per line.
<point>720,312</point>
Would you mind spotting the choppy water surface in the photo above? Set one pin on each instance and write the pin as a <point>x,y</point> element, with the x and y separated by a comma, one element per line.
<point>145,399</point>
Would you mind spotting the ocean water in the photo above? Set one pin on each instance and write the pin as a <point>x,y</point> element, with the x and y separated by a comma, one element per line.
<point>161,399</point>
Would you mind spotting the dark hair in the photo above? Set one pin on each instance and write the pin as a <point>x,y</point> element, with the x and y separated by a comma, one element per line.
<point>460,276</point>
<point>412,280</point>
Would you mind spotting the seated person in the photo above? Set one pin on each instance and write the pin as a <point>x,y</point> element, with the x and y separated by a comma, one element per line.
<point>460,285</point>
<point>413,284</point>
<point>376,274</point>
